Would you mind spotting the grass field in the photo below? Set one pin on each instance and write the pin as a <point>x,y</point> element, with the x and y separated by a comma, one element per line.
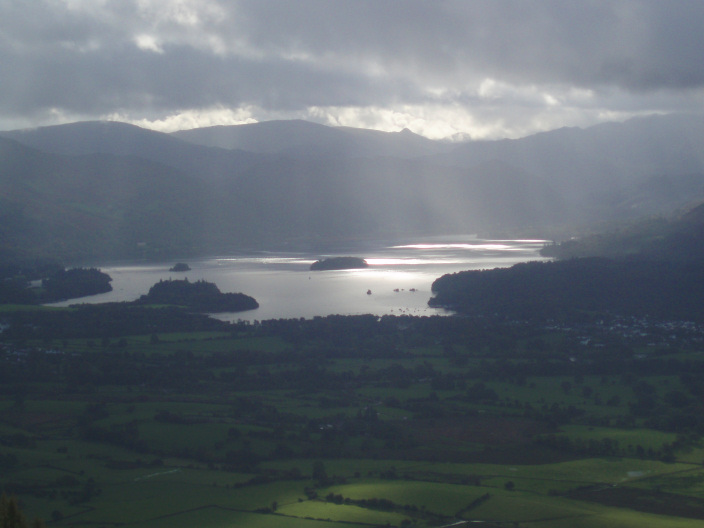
<point>218,429</point>
<point>340,513</point>
<point>444,499</point>
<point>647,438</point>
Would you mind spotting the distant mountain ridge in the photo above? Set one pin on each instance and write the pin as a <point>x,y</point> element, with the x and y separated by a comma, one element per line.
<point>603,172</point>
<point>122,139</point>
<point>303,138</point>
<point>108,189</point>
<point>600,170</point>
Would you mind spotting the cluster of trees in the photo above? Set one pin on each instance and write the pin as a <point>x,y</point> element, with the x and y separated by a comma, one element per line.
<point>104,321</point>
<point>339,263</point>
<point>652,267</point>
<point>306,366</point>
<point>16,291</point>
<point>567,289</point>
<point>201,296</point>
<point>603,447</point>
<point>351,420</point>
<point>75,282</point>
<point>668,239</point>
<point>12,516</point>
<point>57,283</point>
<point>180,267</point>
<point>27,269</point>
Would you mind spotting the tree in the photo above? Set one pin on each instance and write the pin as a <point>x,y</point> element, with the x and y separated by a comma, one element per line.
<point>11,515</point>
<point>319,472</point>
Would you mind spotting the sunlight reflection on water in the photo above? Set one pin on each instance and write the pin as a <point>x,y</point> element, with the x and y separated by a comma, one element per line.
<point>454,246</point>
<point>409,261</point>
<point>398,279</point>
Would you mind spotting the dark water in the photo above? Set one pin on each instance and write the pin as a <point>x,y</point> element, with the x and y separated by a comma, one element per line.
<point>285,288</point>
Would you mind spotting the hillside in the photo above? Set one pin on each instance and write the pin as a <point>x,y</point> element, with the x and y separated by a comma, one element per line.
<point>122,139</point>
<point>608,171</point>
<point>79,205</point>
<point>676,238</point>
<point>577,290</point>
<point>111,190</point>
<point>649,268</point>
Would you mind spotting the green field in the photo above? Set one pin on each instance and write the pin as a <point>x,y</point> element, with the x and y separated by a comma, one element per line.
<point>249,428</point>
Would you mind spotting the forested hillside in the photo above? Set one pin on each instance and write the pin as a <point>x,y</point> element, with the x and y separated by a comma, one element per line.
<point>676,238</point>
<point>653,267</point>
<point>577,289</point>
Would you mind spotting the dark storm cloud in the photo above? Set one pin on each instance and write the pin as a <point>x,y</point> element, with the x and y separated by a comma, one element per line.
<point>181,77</point>
<point>631,44</point>
<point>158,56</point>
<point>87,64</point>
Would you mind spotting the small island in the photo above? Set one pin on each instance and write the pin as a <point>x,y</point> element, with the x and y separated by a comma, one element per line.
<point>200,296</point>
<point>339,263</point>
<point>180,266</point>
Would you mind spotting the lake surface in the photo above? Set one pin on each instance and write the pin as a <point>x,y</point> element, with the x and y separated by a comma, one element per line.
<point>399,277</point>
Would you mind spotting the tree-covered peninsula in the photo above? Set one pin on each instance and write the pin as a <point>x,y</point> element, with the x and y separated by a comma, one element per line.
<point>201,296</point>
<point>575,288</point>
<point>339,263</point>
<point>75,282</point>
<point>43,282</point>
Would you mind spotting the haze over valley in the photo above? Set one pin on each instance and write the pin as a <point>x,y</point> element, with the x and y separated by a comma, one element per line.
<point>96,190</point>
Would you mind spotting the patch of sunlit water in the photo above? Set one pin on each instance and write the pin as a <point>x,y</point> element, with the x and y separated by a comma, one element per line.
<point>538,241</point>
<point>410,261</point>
<point>455,246</point>
<point>264,260</point>
<point>397,281</point>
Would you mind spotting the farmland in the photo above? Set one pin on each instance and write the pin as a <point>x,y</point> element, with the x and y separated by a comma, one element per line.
<point>351,421</point>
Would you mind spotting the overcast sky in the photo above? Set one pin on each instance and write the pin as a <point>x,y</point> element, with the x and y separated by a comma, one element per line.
<point>478,68</point>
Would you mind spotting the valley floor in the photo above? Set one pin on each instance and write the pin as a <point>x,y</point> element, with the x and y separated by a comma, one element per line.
<point>357,421</point>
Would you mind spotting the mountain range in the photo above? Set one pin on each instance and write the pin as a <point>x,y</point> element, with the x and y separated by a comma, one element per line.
<point>96,190</point>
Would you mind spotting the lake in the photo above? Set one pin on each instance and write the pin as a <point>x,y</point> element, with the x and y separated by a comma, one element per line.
<point>397,281</point>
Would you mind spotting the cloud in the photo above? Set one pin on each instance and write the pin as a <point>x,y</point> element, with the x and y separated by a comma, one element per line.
<point>486,67</point>
<point>187,119</point>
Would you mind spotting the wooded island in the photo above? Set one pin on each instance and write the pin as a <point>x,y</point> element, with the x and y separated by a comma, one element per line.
<point>339,263</point>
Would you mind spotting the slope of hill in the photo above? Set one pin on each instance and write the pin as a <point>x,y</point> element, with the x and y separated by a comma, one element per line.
<point>600,171</point>
<point>78,207</point>
<point>650,268</point>
<point>609,152</point>
<point>648,165</point>
<point>678,238</point>
<point>96,189</point>
<point>148,189</point>
<point>577,289</point>
<point>122,139</point>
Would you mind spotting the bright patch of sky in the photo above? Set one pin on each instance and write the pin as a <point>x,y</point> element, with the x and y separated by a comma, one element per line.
<point>454,69</point>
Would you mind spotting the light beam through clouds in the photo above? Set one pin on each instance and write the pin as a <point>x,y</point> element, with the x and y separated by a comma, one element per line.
<point>450,69</point>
